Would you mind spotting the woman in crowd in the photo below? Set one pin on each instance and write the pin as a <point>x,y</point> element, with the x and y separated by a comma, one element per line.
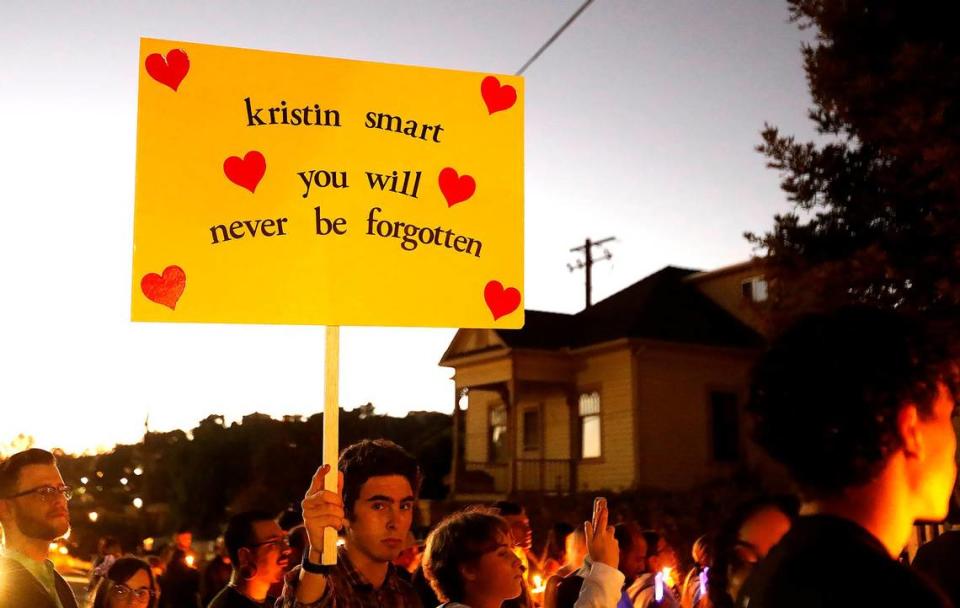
<point>694,586</point>
<point>126,582</point>
<point>742,542</point>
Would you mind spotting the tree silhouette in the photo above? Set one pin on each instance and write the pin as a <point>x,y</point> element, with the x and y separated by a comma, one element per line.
<point>198,479</point>
<point>876,215</point>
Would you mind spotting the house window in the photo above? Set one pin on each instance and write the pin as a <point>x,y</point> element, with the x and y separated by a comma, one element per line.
<point>725,426</point>
<point>754,289</point>
<point>497,438</point>
<point>531,430</point>
<point>589,409</point>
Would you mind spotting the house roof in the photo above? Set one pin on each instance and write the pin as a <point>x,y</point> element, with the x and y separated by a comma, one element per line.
<point>661,306</point>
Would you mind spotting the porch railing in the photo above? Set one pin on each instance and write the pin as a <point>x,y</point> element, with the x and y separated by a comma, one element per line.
<point>546,475</point>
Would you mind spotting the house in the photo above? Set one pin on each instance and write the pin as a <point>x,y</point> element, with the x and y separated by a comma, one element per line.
<point>643,389</point>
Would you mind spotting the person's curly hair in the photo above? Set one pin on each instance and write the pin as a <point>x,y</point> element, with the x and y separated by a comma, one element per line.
<point>826,395</point>
<point>462,538</point>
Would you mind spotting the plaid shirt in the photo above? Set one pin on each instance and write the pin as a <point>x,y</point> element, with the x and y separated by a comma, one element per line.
<point>348,588</point>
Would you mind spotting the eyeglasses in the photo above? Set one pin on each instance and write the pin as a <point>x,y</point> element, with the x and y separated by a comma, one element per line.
<point>282,543</point>
<point>142,595</point>
<point>46,493</point>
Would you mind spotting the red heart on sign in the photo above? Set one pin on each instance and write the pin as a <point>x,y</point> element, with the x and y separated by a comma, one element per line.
<point>246,172</point>
<point>456,188</point>
<point>165,289</point>
<point>500,301</point>
<point>170,71</point>
<point>497,97</point>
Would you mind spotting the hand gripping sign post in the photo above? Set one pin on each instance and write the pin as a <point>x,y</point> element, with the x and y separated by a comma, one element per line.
<point>280,188</point>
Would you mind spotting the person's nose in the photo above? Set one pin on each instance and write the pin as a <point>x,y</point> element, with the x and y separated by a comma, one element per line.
<point>59,500</point>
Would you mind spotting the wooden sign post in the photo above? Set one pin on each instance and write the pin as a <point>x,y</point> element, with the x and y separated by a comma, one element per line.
<point>331,429</point>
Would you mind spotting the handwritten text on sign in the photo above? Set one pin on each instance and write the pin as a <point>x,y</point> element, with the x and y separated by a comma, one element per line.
<point>278,188</point>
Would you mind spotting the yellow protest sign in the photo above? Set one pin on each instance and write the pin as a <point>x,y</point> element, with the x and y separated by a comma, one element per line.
<point>281,188</point>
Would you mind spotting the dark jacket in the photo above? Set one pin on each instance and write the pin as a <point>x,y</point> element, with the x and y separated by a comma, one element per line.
<point>568,589</point>
<point>828,562</point>
<point>20,589</point>
<point>939,560</point>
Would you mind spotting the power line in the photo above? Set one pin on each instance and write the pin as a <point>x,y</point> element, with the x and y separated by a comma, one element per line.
<point>554,37</point>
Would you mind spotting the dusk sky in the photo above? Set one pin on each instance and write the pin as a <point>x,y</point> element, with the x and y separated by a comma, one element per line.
<point>641,123</point>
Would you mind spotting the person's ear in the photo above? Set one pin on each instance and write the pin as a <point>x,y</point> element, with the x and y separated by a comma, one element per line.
<point>467,573</point>
<point>908,427</point>
<point>244,556</point>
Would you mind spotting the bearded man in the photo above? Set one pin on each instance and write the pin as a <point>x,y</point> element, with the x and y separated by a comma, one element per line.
<point>33,513</point>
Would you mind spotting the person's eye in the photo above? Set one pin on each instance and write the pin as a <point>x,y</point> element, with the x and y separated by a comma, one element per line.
<point>378,506</point>
<point>406,506</point>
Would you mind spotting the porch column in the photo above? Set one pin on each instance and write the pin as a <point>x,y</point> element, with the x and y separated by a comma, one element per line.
<point>573,409</point>
<point>508,393</point>
<point>457,414</point>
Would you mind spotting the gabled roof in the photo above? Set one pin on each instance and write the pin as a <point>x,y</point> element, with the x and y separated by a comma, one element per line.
<point>546,330</point>
<point>661,306</point>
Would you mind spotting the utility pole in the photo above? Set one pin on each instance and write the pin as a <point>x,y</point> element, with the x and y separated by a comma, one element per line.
<point>588,261</point>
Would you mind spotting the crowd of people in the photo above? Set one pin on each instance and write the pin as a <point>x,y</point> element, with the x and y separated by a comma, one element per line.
<point>857,405</point>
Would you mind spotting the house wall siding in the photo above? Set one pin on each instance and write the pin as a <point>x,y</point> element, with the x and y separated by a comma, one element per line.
<point>611,374</point>
<point>486,372</point>
<point>476,424</point>
<point>673,430</point>
<point>554,422</point>
<point>725,290</point>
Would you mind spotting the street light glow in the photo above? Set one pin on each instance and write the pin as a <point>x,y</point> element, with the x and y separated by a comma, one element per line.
<point>93,515</point>
<point>138,502</point>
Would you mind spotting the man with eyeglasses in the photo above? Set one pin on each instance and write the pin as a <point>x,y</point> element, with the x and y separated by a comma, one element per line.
<point>259,553</point>
<point>33,513</point>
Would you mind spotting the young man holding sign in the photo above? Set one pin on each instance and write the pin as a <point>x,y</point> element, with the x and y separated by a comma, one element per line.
<point>374,506</point>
